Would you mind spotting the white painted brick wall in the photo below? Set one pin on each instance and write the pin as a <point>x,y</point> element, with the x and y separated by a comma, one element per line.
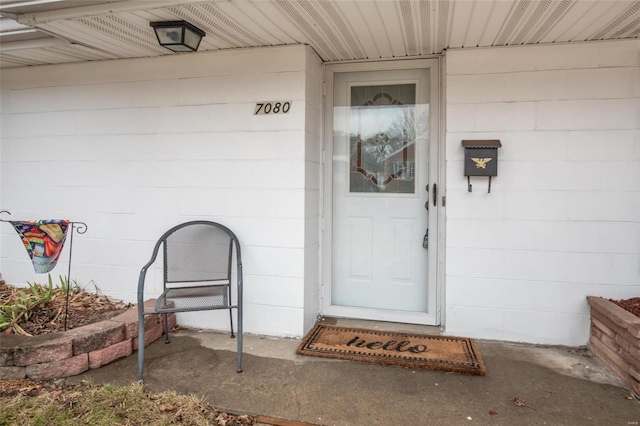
<point>313,125</point>
<point>562,220</point>
<point>133,147</point>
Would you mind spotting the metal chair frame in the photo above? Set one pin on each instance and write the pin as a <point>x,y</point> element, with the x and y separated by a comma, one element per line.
<point>214,295</point>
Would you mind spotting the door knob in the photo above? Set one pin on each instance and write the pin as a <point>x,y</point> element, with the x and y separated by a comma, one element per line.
<point>435,194</point>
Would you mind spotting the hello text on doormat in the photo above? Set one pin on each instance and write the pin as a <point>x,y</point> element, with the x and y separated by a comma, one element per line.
<point>385,347</point>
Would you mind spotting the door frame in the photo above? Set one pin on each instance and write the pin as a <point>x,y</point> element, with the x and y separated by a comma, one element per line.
<point>436,65</point>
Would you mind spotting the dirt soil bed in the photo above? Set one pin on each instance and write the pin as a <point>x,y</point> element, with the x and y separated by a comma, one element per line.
<point>632,305</point>
<point>84,308</point>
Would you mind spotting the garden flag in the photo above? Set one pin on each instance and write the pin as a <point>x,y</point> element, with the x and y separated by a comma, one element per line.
<point>43,240</point>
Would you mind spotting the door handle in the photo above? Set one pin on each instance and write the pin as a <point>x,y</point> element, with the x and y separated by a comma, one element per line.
<point>435,194</point>
<point>425,239</point>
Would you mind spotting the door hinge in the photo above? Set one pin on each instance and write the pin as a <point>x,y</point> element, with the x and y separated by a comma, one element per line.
<point>444,201</point>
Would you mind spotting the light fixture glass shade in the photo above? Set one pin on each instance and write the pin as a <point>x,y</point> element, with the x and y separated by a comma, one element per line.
<point>179,36</point>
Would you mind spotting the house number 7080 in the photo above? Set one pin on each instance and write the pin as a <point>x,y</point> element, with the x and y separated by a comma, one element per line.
<point>266,108</point>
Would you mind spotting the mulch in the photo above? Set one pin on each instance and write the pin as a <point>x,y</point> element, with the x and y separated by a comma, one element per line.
<point>632,305</point>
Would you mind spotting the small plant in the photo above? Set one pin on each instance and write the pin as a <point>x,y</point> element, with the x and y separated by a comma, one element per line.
<point>40,307</point>
<point>65,286</point>
<point>22,305</point>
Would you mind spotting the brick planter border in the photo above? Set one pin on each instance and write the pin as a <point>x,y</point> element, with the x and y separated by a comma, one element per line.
<point>69,353</point>
<point>615,340</point>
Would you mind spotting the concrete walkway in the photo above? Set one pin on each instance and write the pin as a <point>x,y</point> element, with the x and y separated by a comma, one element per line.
<point>554,386</point>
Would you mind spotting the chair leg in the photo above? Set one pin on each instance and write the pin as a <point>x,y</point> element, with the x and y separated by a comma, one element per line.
<point>231,321</point>
<point>239,343</point>
<point>230,311</point>
<point>166,329</point>
<point>140,346</point>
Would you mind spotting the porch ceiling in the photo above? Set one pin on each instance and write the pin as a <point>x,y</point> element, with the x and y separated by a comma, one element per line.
<point>35,32</point>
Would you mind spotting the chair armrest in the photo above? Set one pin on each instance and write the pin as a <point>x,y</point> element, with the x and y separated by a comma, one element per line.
<point>143,272</point>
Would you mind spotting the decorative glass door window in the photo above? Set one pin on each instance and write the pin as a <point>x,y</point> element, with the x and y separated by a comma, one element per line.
<point>382,138</point>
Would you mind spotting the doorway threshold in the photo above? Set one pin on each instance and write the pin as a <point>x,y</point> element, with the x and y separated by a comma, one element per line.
<point>382,325</point>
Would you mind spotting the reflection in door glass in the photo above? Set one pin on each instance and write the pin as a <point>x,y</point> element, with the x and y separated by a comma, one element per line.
<point>382,138</point>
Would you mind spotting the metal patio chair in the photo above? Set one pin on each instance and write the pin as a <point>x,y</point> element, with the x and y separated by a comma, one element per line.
<point>197,273</point>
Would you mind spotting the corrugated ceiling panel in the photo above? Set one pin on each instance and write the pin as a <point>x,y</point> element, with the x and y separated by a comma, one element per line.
<point>337,30</point>
<point>259,23</point>
<point>599,17</point>
<point>53,55</point>
<point>480,15</point>
<point>626,28</point>
<point>105,41</point>
<point>409,26</point>
<point>442,21</point>
<point>17,59</point>
<point>499,13</point>
<point>325,25</point>
<point>76,52</point>
<point>462,13</point>
<point>426,29</point>
<point>621,24</point>
<point>296,14</point>
<point>392,27</point>
<point>373,23</point>
<point>361,32</point>
<point>567,23</point>
<point>274,13</point>
<point>112,33</point>
<point>218,26</point>
<point>514,21</point>
<point>634,32</point>
<point>551,20</point>
<point>343,28</point>
<point>244,33</point>
<point>535,14</point>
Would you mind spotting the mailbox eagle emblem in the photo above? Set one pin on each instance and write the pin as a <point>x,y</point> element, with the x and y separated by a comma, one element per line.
<point>481,163</point>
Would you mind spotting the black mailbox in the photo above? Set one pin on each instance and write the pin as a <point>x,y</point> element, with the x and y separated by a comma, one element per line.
<point>481,159</point>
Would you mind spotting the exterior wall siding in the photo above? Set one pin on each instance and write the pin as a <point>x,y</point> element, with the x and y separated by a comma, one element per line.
<point>313,144</point>
<point>562,220</point>
<point>133,147</point>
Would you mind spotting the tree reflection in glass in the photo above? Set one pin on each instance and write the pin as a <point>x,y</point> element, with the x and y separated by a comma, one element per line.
<point>382,138</point>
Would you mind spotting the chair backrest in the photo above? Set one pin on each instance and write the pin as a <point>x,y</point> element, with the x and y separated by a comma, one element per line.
<point>198,251</point>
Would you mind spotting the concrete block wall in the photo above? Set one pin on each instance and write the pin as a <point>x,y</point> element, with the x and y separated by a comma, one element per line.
<point>313,142</point>
<point>133,147</point>
<point>562,220</point>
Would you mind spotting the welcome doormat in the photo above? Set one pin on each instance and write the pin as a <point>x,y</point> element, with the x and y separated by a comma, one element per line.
<point>385,347</point>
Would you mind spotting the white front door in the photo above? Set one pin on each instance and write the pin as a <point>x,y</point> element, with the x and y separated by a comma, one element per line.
<point>383,168</point>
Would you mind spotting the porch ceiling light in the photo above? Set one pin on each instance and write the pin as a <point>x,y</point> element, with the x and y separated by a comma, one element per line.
<point>179,36</point>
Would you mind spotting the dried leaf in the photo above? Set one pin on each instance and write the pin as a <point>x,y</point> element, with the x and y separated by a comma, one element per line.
<point>30,388</point>
<point>167,407</point>
<point>222,419</point>
<point>493,413</point>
